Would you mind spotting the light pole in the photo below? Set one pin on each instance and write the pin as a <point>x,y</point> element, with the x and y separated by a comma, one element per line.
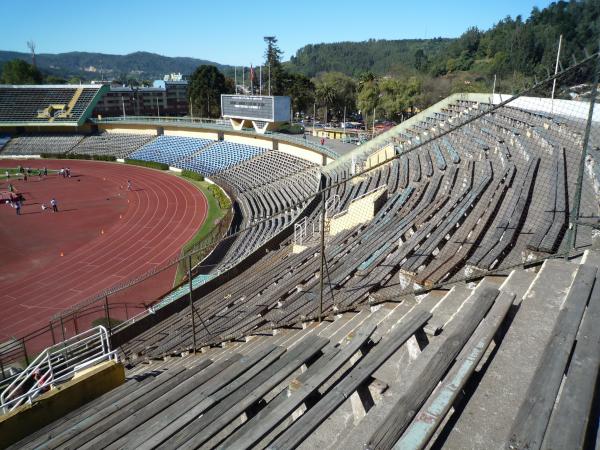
<point>373,133</point>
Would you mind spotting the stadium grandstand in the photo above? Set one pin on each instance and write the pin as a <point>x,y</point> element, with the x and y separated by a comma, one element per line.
<point>48,104</point>
<point>437,287</point>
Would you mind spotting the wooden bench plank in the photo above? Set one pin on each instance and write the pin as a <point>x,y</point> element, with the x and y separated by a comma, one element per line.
<point>96,414</point>
<point>232,406</point>
<point>437,406</point>
<point>121,418</point>
<point>352,381</point>
<point>262,424</point>
<point>171,417</point>
<point>35,439</point>
<point>569,422</point>
<point>420,386</point>
<point>530,424</point>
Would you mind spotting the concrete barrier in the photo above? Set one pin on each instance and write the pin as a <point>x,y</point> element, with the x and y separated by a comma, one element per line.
<point>85,386</point>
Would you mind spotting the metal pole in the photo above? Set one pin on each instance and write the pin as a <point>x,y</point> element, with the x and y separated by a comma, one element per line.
<point>25,351</point>
<point>52,333</point>
<point>260,79</point>
<point>373,134</point>
<point>321,274</point>
<point>572,242</point>
<point>314,117</point>
<point>555,72</point>
<point>269,78</point>
<point>62,328</point>
<point>494,89</point>
<point>123,104</point>
<point>192,304</point>
<point>107,315</point>
<point>235,79</point>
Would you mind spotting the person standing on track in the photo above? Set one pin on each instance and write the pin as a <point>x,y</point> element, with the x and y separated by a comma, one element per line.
<point>54,205</point>
<point>128,185</point>
<point>18,207</point>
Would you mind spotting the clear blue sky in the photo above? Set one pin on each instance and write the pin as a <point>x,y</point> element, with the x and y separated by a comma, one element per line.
<point>231,32</point>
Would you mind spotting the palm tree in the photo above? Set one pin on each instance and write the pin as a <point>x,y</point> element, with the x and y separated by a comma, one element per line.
<point>366,78</point>
<point>326,95</point>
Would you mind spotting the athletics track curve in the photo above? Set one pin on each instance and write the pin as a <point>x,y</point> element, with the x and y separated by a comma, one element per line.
<point>106,235</point>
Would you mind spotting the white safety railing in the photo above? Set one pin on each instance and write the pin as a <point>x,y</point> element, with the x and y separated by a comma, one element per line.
<point>56,365</point>
<point>300,231</point>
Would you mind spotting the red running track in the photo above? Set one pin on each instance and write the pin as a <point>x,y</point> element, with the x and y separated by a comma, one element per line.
<point>106,233</point>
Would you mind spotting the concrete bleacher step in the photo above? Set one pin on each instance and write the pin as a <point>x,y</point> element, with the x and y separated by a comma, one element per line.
<point>488,414</point>
<point>446,307</point>
<point>591,257</point>
<point>518,282</point>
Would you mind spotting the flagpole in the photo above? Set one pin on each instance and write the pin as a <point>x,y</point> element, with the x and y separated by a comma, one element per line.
<point>235,77</point>
<point>260,80</point>
<point>243,81</point>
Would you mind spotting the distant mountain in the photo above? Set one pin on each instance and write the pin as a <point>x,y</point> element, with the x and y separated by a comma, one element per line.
<point>379,56</point>
<point>94,66</point>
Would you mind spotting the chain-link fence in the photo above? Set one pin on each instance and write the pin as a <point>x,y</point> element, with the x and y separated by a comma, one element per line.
<point>478,184</point>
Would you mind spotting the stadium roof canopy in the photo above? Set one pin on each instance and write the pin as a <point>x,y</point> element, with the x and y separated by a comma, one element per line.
<point>48,105</point>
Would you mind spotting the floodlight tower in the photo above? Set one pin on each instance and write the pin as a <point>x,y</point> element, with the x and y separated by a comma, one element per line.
<point>31,46</point>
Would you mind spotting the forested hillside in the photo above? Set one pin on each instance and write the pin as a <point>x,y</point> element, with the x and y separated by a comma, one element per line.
<point>512,45</point>
<point>354,58</point>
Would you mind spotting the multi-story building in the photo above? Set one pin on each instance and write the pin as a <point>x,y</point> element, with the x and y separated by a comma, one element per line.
<point>168,97</point>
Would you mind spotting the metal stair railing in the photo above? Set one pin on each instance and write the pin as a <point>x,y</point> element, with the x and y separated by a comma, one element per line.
<point>57,364</point>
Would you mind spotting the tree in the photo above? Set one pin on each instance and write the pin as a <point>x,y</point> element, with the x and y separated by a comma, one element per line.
<point>325,95</point>
<point>343,92</point>
<point>398,96</point>
<point>205,88</point>
<point>18,71</point>
<point>368,95</point>
<point>274,68</point>
<point>420,60</point>
<point>52,79</point>
<point>301,91</point>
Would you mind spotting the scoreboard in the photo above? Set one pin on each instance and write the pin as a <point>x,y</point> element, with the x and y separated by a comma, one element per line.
<point>256,107</point>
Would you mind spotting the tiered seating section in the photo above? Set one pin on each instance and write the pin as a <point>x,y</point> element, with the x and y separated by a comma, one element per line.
<point>118,145</point>
<point>493,364</point>
<point>220,156</point>
<point>36,145</point>
<point>170,149</point>
<point>38,104</point>
<point>489,194</point>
